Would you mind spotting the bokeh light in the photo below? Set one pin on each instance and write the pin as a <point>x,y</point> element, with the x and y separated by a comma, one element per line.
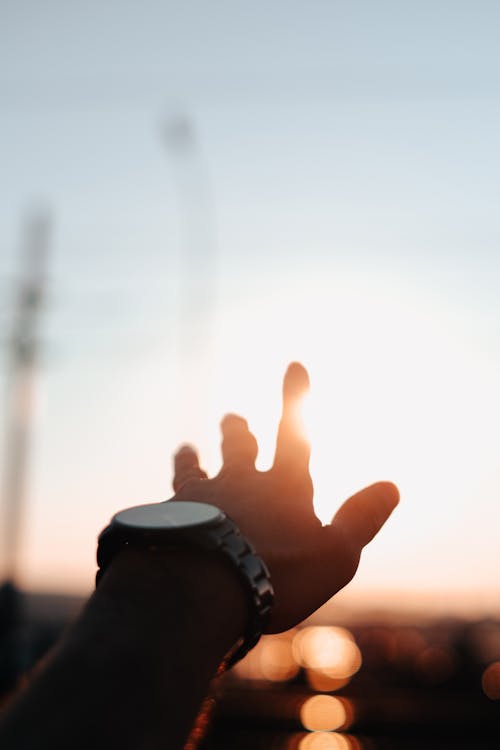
<point>272,659</point>
<point>323,713</point>
<point>491,681</point>
<point>436,665</point>
<point>319,680</point>
<point>276,659</point>
<point>325,741</point>
<point>331,650</point>
<point>382,645</point>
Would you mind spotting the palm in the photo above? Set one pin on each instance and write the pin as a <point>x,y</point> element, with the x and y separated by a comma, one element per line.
<point>274,510</point>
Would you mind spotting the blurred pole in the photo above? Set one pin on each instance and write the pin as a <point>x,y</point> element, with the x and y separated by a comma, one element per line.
<point>22,357</point>
<point>197,272</point>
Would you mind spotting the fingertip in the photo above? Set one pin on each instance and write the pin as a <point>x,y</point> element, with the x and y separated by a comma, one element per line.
<point>186,449</point>
<point>231,422</point>
<point>186,466</point>
<point>296,381</point>
<point>379,500</point>
<point>363,515</point>
<point>185,456</point>
<point>389,494</point>
<point>239,445</point>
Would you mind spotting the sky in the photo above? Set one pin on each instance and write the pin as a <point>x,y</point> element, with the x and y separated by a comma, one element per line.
<point>332,197</point>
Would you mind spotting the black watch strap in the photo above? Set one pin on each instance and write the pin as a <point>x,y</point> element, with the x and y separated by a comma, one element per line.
<point>256,579</point>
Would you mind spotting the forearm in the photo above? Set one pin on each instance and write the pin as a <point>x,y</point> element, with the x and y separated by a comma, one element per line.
<point>134,669</point>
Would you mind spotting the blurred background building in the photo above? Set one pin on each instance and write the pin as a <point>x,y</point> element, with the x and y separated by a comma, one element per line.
<point>231,187</point>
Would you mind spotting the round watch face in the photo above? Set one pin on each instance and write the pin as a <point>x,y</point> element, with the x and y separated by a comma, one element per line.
<point>169,515</point>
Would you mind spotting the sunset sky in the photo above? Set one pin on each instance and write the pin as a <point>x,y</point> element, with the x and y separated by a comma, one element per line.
<point>338,197</point>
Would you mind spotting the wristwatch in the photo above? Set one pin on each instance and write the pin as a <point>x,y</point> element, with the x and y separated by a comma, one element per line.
<point>183,525</point>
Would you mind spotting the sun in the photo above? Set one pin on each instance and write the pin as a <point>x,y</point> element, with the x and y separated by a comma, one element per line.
<point>398,392</point>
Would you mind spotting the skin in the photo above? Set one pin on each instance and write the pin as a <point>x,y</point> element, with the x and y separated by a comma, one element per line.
<point>132,672</point>
<point>308,562</point>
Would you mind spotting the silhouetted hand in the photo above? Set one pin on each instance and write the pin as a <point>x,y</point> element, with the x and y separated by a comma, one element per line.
<point>308,562</point>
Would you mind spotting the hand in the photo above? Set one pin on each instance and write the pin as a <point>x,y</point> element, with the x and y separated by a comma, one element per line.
<point>308,562</point>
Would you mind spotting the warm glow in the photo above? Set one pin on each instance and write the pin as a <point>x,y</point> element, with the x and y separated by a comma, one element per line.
<point>250,667</point>
<point>276,659</point>
<point>329,649</point>
<point>325,741</point>
<point>491,681</point>
<point>383,369</point>
<point>323,713</point>
<point>319,680</point>
<point>271,659</point>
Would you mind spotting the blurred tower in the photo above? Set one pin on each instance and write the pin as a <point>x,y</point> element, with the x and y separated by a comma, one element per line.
<point>21,362</point>
<point>197,272</point>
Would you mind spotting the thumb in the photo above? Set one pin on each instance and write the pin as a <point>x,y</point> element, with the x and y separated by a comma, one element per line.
<point>362,516</point>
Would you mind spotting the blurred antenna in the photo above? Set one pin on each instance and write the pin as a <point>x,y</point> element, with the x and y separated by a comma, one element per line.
<point>198,265</point>
<point>22,358</point>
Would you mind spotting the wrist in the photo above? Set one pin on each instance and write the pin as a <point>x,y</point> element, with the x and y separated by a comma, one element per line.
<point>186,593</point>
<point>205,534</point>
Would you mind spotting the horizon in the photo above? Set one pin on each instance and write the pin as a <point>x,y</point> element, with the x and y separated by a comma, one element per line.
<point>248,188</point>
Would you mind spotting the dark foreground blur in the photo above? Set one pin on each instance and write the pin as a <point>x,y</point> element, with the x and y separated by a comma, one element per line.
<point>378,684</point>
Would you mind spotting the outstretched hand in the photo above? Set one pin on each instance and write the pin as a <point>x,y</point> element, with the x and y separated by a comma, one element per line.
<point>308,562</point>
